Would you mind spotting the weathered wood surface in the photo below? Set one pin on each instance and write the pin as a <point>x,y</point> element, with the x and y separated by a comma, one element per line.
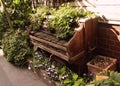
<point>49,3</point>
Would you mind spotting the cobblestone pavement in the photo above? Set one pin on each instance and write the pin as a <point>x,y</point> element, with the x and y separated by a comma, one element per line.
<point>14,76</point>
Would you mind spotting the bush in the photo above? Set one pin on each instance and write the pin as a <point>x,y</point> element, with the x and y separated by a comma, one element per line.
<point>19,11</point>
<point>3,25</point>
<point>16,46</point>
<point>39,17</point>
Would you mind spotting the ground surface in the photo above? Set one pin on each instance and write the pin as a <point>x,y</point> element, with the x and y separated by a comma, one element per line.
<point>14,76</point>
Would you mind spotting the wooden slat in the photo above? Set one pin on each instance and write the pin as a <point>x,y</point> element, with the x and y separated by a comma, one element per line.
<point>62,56</point>
<point>49,43</point>
<point>49,37</point>
<point>76,57</point>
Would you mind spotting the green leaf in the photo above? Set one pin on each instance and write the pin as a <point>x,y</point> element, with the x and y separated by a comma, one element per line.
<point>62,71</point>
<point>67,81</point>
<point>16,1</point>
<point>79,82</point>
<point>75,76</point>
<point>25,0</point>
<point>76,84</point>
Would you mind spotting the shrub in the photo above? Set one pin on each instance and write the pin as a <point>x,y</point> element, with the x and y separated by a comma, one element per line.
<point>19,11</point>
<point>16,46</point>
<point>38,17</point>
<point>3,25</point>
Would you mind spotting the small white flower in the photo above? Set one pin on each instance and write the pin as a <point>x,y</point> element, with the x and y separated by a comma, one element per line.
<point>44,78</point>
<point>44,74</point>
<point>52,66</point>
<point>29,68</point>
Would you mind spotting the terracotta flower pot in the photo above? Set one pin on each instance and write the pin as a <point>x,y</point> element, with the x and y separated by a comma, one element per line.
<point>101,63</point>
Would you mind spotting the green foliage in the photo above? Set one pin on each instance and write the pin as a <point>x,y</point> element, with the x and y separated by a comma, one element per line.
<point>64,19</point>
<point>1,29</point>
<point>16,46</point>
<point>74,80</point>
<point>19,11</point>
<point>38,17</point>
<point>16,1</point>
<point>41,57</point>
<point>104,82</point>
<point>68,78</point>
<point>43,11</point>
<point>62,71</point>
<point>115,76</point>
<point>61,74</point>
<point>113,80</point>
<point>3,25</point>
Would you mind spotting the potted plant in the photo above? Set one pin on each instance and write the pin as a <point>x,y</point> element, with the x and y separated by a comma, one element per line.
<point>65,19</point>
<point>100,63</point>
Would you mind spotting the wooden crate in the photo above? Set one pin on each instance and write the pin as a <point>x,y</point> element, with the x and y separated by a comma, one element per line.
<point>83,40</point>
<point>49,3</point>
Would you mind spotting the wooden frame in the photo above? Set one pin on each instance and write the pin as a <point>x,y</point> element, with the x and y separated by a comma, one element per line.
<point>83,40</point>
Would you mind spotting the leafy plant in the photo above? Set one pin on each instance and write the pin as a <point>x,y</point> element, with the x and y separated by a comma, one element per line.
<point>3,25</point>
<point>74,80</point>
<point>64,19</point>
<point>113,79</point>
<point>41,59</point>
<point>19,11</point>
<point>16,46</point>
<point>60,74</point>
<point>39,16</point>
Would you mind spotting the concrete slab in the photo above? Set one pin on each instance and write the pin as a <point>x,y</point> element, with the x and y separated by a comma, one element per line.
<point>14,76</point>
<point>4,81</point>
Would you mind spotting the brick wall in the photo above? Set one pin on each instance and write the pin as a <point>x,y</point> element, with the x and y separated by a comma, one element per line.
<point>109,41</point>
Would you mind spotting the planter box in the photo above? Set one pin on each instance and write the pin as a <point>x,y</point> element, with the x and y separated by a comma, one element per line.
<point>72,50</point>
<point>101,63</point>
